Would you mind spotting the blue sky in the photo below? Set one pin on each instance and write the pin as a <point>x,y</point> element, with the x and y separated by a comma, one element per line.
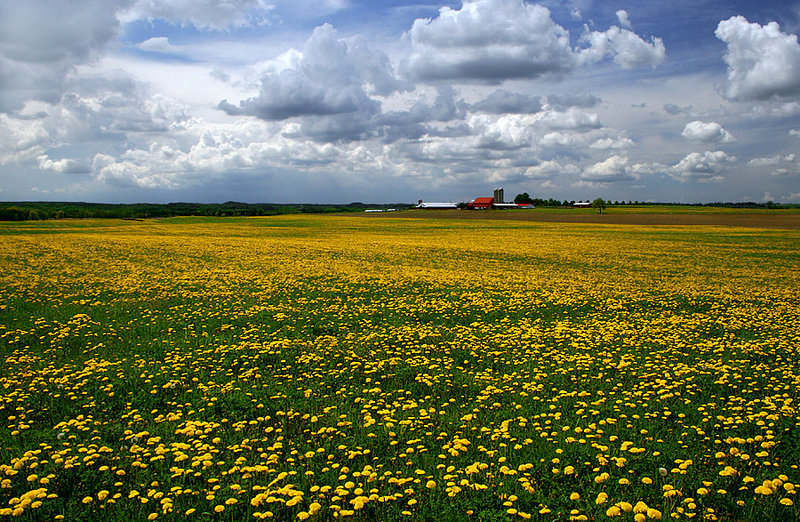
<point>348,100</point>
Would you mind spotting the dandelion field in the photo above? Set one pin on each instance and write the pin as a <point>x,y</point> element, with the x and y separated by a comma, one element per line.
<point>327,367</point>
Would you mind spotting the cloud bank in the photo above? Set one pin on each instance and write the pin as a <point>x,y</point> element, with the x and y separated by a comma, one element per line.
<point>138,96</point>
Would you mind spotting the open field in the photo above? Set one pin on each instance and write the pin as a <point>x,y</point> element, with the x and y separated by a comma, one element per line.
<point>326,367</point>
<point>625,215</point>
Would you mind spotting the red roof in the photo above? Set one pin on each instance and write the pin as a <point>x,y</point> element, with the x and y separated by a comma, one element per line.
<point>483,202</point>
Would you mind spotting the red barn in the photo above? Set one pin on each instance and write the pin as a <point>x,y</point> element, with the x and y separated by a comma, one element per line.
<point>481,203</point>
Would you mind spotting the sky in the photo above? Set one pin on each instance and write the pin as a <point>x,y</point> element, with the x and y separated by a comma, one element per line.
<point>335,101</point>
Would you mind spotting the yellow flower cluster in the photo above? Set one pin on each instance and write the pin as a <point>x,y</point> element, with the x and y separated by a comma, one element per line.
<point>318,367</point>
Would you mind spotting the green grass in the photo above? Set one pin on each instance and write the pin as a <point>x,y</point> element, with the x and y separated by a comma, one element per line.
<point>511,363</point>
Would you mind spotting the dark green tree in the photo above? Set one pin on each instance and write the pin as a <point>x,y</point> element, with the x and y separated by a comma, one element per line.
<point>599,204</point>
<point>523,199</point>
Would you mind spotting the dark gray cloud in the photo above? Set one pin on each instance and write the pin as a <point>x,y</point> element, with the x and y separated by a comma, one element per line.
<point>575,99</point>
<point>674,110</point>
<point>504,102</point>
<point>291,93</point>
<point>332,77</point>
<point>42,42</point>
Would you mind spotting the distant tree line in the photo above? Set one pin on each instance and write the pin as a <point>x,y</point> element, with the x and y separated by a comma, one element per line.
<point>550,202</point>
<point>35,210</point>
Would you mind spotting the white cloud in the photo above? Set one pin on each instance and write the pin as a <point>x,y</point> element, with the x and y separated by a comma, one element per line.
<point>762,61</point>
<point>763,162</point>
<point>64,166</point>
<point>550,170</point>
<point>702,166</point>
<point>625,47</point>
<point>612,169</point>
<point>571,119</point>
<point>768,161</point>
<point>495,40</point>
<point>794,132</point>
<point>22,139</point>
<point>649,169</point>
<point>777,110</point>
<point>157,44</point>
<point>204,14</point>
<point>558,139</point>
<point>200,150</point>
<point>505,132</point>
<point>489,40</point>
<point>707,132</point>
<point>612,143</point>
<point>622,16</point>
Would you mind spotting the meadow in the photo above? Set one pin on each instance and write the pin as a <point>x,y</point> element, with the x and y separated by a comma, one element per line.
<point>326,367</point>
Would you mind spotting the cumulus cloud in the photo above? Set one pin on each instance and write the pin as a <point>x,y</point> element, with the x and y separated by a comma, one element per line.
<point>201,150</point>
<point>702,166</point>
<point>333,77</point>
<point>22,140</point>
<point>558,139</point>
<point>489,40</point>
<point>510,131</point>
<point>105,112</point>
<point>115,103</point>
<point>612,143</point>
<point>625,47</point>
<point>64,166</point>
<point>551,169</point>
<point>762,61</point>
<point>707,132</point>
<point>612,169</point>
<point>495,40</point>
<point>571,119</point>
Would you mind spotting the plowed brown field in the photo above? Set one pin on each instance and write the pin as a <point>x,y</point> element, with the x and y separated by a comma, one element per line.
<point>753,219</point>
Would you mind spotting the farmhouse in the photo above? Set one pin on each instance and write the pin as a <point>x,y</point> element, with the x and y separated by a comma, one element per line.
<point>582,204</point>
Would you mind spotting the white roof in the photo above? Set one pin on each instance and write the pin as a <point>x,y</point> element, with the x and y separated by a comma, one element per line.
<point>427,204</point>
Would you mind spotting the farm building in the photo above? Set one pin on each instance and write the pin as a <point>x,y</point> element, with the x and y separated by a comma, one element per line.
<point>582,204</point>
<point>481,203</point>
<point>435,205</point>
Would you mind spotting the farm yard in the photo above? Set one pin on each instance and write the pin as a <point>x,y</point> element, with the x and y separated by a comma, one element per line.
<point>381,368</point>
